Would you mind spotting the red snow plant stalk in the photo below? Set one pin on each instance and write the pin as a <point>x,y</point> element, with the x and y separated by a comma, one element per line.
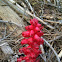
<point>33,39</point>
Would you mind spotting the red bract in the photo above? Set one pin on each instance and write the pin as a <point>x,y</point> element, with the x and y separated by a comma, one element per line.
<point>33,34</point>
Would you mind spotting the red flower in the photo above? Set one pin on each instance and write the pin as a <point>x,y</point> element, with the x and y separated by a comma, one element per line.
<point>33,55</point>
<point>27,28</point>
<point>19,59</point>
<point>36,29</point>
<point>38,60</point>
<point>35,45</point>
<point>30,27</point>
<point>41,41</point>
<point>38,25</point>
<point>24,41</point>
<point>26,58</point>
<point>30,41</point>
<point>26,34</point>
<point>34,33</point>
<point>30,60</point>
<point>29,47</point>
<point>34,22</point>
<point>41,27</point>
<point>40,33</point>
<point>20,50</point>
<point>36,37</point>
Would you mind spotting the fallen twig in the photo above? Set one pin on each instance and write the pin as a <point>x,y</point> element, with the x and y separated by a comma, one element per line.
<point>60,54</point>
<point>53,21</point>
<point>29,5</point>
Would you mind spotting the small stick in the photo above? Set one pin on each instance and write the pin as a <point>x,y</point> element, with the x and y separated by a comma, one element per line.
<point>60,54</point>
<point>29,5</point>
<point>52,21</point>
<point>41,47</point>
<point>12,1</point>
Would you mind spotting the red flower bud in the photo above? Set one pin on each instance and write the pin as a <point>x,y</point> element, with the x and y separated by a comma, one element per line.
<point>36,37</point>
<point>26,57</point>
<point>24,41</point>
<point>41,27</point>
<point>30,60</point>
<point>35,45</point>
<point>38,60</point>
<point>29,47</point>
<point>40,33</point>
<point>32,33</point>
<point>33,55</point>
<point>38,25</point>
<point>19,59</point>
<point>26,34</point>
<point>31,27</point>
<point>30,41</point>
<point>34,22</point>
<point>41,41</point>
<point>20,50</point>
<point>36,29</point>
<point>27,27</point>
<point>26,50</point>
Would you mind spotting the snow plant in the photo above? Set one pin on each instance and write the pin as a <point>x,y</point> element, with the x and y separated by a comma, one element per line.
<point>32,37</point>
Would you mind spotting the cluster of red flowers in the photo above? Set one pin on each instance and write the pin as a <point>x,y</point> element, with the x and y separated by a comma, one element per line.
<point>33,34</point>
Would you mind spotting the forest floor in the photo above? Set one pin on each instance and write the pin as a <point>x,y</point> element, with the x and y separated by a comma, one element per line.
<point>15,16</point>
